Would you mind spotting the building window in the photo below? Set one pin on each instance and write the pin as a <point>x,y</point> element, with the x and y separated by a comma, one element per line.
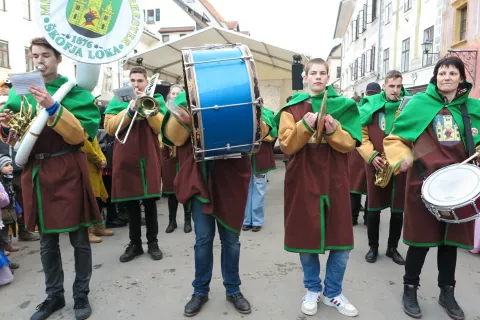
<point>370,64</point>
<point>4,62</point>
<point>407,5</point>
<point>339,72</point>
<point>405,55</point>
<point>363,64</point>
<point>374,10</point>
<point>362,23</point>
<point>386,60</point>
<point>28,60</point>
<point>463,23</point>
<point>388,11</point>
<point>165,38</point>
<point>354,30</point>
<point>150,16</point>
<point>157,15</point>
<point>2,5</point>
<point>428,38</point>
<point>26,10</point>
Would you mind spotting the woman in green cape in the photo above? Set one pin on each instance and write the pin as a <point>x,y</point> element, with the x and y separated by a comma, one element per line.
<point>430,121</point>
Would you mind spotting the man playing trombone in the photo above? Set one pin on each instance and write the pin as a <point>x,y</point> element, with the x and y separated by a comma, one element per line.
<point>136,172</point>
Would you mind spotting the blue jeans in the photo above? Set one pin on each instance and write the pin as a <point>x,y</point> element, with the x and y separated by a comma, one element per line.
<point>336,265</point>
<point>255,209</point>
<point>204,234</point>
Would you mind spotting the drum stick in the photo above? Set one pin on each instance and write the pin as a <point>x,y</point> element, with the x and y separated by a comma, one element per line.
<point>476,154</point>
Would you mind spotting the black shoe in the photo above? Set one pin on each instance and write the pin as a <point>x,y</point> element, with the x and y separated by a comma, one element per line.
<point>194,305</point>
<point>410,301</point>
<point>172,225</point>
<point>155,251</point>
<point>246,228</point>
<point>240,303</point>
<point>115,224</point>
<point>131,252</point>
<point>187,228</point>
<point>447,300</point>
<point>372,255</point>
<point>256,228</point>
<point>396,256</point>
<point>82,309</point>
<point>47,307</point>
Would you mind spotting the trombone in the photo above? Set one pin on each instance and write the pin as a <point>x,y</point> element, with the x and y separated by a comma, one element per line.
<point>145,106</point>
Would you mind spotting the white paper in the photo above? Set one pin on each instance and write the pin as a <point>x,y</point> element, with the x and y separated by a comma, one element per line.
<point>22,82</point>
<point>125,94</point>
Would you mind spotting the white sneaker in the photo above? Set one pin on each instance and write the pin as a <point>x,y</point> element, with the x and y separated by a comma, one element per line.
<point>310,303</point>
<point>342,304</point>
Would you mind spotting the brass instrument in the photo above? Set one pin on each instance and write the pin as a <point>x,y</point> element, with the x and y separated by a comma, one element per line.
<point>145,107</point>
<point>383,176</point>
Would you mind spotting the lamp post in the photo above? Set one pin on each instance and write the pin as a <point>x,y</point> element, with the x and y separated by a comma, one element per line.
<point>428,53</point>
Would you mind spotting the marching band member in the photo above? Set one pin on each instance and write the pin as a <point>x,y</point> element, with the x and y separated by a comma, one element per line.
<point>263,161</point>
<point>317,217</point>
<point>421,126</point>
<point>377,113</point>
<point>57,194</point>
<point>169,171</point>
<point>218,191</point>
<point>136,173</point>
<point>356,165</point>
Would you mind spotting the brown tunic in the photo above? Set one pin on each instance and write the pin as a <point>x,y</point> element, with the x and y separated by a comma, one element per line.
<point>357,173</point>
<point>136,172</point>
<point>57,194</point>
<point>170,167</point>
<point>263,161</point>
<point>222,186</point>
<point>317,209</point>
<point>393,195</point>
<point>421,228</point>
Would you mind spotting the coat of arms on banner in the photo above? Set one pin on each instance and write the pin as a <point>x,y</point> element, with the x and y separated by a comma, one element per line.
<point>91,31</point>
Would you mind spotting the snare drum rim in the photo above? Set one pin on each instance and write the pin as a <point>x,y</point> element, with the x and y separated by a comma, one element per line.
<point>427,181</point>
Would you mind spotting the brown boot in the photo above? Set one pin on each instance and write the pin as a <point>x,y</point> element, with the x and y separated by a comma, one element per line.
<point>101,230</point>
<point>92,237</point>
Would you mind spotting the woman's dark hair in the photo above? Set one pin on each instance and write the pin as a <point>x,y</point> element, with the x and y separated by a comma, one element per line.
<point>446,62</point>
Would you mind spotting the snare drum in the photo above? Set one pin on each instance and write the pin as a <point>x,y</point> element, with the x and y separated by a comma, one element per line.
<point>452,194</point>
<point>222,92</point>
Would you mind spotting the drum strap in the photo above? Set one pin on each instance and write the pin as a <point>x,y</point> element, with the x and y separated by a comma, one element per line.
<point>468,130</point>
<point>468,139</point>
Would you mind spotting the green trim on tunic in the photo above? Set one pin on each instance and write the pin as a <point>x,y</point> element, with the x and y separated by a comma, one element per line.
<point>146,195</point>
<point>438,243</point>
<point>226,226</point>
<point>41,220</point>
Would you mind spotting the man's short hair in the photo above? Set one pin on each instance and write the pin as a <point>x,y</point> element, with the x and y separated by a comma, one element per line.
<point>314,61</point>
<point>393,74</point>
<point>138,69</point>
<point>42,42</point>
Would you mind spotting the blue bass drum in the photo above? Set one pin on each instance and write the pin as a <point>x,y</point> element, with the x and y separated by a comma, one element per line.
<point>222,92</point>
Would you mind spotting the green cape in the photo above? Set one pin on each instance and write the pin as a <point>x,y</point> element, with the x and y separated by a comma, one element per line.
<point>115,107</point>
<point>78,101</point>
<point>269,118</point>
<point>423,107</point>
<point>371,104</point>
<point>342,109</point>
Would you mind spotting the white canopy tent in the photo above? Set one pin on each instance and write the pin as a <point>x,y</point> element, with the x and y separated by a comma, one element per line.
<point>273,64</point>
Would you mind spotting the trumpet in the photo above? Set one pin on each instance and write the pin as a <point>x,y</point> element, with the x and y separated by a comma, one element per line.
<point>145,107</point>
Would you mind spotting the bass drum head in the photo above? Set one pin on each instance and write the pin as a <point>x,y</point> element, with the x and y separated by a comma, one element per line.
<point>452,186</point>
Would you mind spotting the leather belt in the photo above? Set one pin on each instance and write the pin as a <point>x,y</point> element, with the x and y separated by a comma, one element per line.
<point>42,156</point>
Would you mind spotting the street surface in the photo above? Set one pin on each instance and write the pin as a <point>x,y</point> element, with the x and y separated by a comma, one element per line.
<point>271,277</point>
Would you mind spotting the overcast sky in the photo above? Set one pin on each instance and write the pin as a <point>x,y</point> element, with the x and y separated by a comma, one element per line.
<point>306,26</point>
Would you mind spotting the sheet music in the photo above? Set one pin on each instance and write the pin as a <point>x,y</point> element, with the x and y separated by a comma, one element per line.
<point>125,94</point>
<point>22,82</point>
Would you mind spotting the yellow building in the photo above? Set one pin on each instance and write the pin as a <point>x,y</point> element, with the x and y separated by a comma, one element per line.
<point>99,18</point>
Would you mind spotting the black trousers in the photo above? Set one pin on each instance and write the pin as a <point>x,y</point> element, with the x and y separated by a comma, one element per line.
<point>111,209</point>
<point>173,207</point>
<point>135,220</point>
<point>356,204</point>
<point>446,264</point>
<point>373,228</point>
